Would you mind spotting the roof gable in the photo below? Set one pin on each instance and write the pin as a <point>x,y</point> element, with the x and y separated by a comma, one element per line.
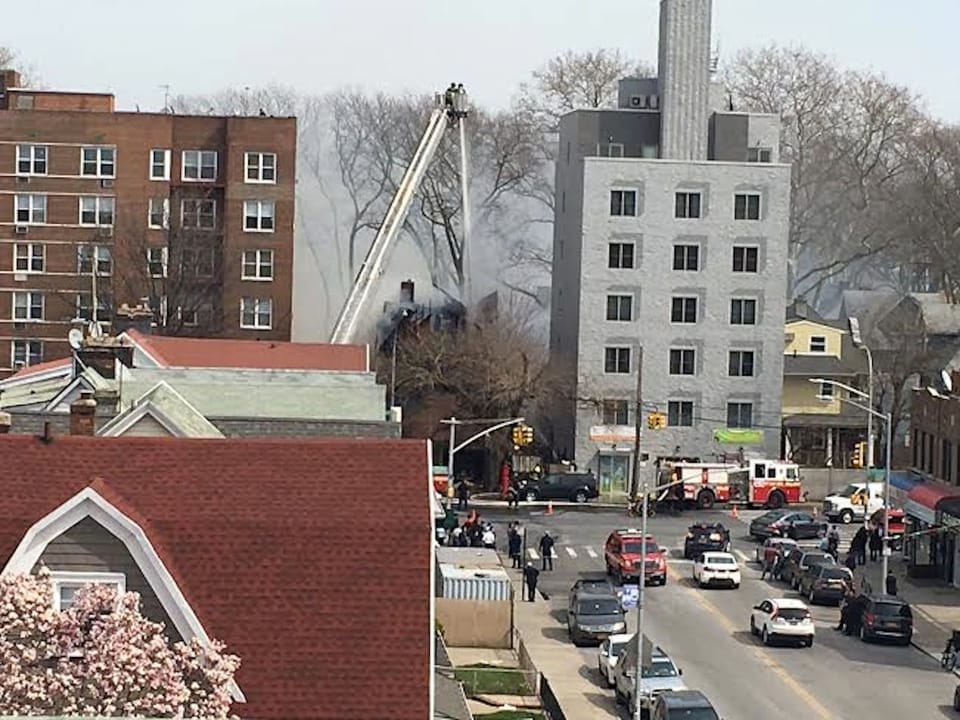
<point>168,408</point>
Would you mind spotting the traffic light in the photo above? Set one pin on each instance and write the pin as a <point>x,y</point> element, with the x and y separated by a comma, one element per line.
<point>859,454</point>
<point>527,435</point>
<point>656,420</point>
<point>522,435</point>
<point>517,435</point>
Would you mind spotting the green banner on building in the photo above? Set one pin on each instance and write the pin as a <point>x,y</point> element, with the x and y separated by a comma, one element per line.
<point>738,436</point>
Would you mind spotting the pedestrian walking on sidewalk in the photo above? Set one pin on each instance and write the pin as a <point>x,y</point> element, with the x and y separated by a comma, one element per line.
<point>891,583</point>
<point>530,576</point>
<point>876,544</point>
<point>514,543</point>
<point>858,546</point>
<point>546,551</point>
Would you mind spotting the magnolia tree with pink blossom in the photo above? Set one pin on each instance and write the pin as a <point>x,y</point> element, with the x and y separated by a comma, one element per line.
<point>101,657</point>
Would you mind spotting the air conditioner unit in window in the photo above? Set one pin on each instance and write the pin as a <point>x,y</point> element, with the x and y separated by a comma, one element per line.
<point>105,232</point>
<point>21,230</point>
<point>106,183</point>
<point>636,101</point>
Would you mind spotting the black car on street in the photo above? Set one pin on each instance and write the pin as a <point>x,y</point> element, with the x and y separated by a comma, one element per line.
<point>575,486</point>
<point>794,524</point>
<point>705,537</point>
<point>886,618</point>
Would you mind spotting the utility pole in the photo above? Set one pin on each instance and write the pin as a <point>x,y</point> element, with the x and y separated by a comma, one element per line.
<point>638,426</point>
<point>642,583</point>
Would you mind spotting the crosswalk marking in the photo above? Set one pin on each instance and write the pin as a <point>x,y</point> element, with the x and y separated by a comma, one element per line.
<point>571,552</point>
<point>533,554</point>
<point>591,552</point>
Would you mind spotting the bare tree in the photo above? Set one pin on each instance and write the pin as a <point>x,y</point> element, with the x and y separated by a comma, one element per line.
<point>10,59</point>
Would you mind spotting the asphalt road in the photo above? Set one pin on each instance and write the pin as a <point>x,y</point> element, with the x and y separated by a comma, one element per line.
<point>707,633</point>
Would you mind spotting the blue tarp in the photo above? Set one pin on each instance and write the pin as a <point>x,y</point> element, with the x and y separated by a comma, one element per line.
<point>902,479</point>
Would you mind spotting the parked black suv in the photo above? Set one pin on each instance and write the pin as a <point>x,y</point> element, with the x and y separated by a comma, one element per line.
<point>578,487</point>
<point>705,537</point>
<point>886,618</point>
<point>797,562</point>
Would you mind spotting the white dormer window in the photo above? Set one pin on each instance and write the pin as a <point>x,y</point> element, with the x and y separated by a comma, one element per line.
<point>66,585</point>
<point>818,343</point>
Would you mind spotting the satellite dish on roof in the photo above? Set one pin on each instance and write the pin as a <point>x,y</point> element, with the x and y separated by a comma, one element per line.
<point>947,380</point>
<point>75,338</point>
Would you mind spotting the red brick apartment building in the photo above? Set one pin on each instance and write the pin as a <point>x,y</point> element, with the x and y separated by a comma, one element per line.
<point>193,213</point>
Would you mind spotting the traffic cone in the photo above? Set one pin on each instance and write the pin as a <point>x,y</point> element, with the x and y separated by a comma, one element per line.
<point>735,513</point>
<point>549,507</point>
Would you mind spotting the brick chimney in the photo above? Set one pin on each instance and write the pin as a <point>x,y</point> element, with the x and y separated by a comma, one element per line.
<point>8,79</point>
<point>83,414</point>
<point>6,420</point>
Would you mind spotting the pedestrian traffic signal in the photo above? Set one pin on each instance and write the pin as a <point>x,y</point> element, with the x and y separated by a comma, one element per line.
<point>656,420</point>
<point>859,454</point>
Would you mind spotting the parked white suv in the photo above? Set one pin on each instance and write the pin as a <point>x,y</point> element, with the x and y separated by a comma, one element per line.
<point>662,676</point>
<point>782,619</point>
<point>848,504</point>
<point>716,568</point>
<point>611,650</point>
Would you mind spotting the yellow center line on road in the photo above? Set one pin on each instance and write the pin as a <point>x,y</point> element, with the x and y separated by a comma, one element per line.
<point>761,654</point>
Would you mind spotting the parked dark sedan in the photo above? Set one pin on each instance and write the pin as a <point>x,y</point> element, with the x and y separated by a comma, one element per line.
<point>886,618</point>
<point>705,537</point>
<point>822,583</point>
<point>797,562</point>
<point>578,487</point>
<point>788,523</point>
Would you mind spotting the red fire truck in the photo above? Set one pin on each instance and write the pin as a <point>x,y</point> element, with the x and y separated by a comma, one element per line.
<point>770,483</point>
<point>704,484</point>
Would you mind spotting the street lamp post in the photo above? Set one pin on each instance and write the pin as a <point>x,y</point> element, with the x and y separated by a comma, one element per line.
<point>888,419</point>
<point>638,690</point>
<point>857,339</point>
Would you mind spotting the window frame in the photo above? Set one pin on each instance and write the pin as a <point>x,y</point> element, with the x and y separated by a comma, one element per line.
<point>258,264</point>
<point>615,302</point>
<point>32,209</point>
<point>746,213</point>
<point>103,308</point>
<point>621,207</point>
<point>259,167</point>
<point>71,578</point>
<point>164,164</point>
<point>199,202</point>
<point>30,305</point>
<point>99,162</point>
<point>743,304</point>
<point>615,409</point>
<point>94,260</point>
<point>683,205</point>
<point>32,160</point>
<point>826,391</point>
<point>30,258</point>
<point>686,359</point>
<point>198,261</point>
<point>615,250</point>
<point>26,342</point>
<point>746,253</point>
<point>256,313</point>
<point>756,155</point>
<point>165,211</point>
<point>164,261</point>
<point>616,364</point>
<point>99,212</point>
<point>260,216</point>
<point>741,355</point>
<point>810,345</point>
<point>200,156</point>
<point>675,411</point>
<point>737,408</point>
<point>684,306</point>
<point>682,252</point>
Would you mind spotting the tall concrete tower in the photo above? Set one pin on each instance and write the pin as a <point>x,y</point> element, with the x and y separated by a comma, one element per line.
<point>684,75</point>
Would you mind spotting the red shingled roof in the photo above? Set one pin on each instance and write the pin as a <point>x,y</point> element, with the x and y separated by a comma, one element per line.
<point>250,354</point>
<point>278,551</point>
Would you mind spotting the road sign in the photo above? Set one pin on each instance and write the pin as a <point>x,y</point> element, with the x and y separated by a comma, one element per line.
<point>630,597</point>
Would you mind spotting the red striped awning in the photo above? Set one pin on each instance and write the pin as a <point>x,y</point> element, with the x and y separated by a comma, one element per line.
<point>928,494</point>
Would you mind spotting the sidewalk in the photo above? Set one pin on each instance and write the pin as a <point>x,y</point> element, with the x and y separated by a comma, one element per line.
<point>935,605</point>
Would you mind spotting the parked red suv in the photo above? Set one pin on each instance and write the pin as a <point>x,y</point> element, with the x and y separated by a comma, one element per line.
<point>623,557</point>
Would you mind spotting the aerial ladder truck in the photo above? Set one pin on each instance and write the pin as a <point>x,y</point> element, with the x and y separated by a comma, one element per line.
<point>450,112</point>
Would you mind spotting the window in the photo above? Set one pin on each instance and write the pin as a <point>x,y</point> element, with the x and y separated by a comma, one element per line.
<point>759,155</point>
<point>27,306</point>
<point>198,214</point>
<point>197,262</point>
<point>94,256</point>
<point>98,162</point>
<point>745,259</point>
<point>97,210</point>
<point>683,310</point>
<point>157,262</point>
<point>616,360</point>
<point>199,165</point>
<point>28,257</point>
<point>615,412</point>
<point>680,413</point>
<point>741,363</point>
<point>826,390</point>
<point>159,164</point>
<point>258,215</point>
<point>261,167</point>
<point>686,257</point>
<point>739,415</point>
<point>31,209</point>
<point>31,159</point>
<point>746,206</point>
<point>682,361</point>
<point>26,353</point>
<point>85,307</point>
<point>190,317</point>
<point>614,150</point>
<point>620,256</point>
<point>623,202</point>
<point>818,343</point>
<point>256,313</point>
<point>67,584</point>
<point>159,213</point>
<point>687,205</point>
<point>620,308</point>
<point>257,265</point>
<point>743,312</point>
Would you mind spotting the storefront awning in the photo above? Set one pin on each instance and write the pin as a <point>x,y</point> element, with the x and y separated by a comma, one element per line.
<point>924,498</point>
<point>738,436</point>
<point>900,479</point>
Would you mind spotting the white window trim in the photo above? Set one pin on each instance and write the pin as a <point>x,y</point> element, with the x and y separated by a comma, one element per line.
<point>99,149</point>
<point>59,578</point>
<point>681,349</point>
<point>817,352</point>
<point>756,311</point>
<point>636,202</point>
<point>32,172</point>
<point>255,326</point>
<point>633,306</point>
<point>166,165</point>
<point>260,216</point>
<point>13,351</point>
<point>29,294</point>
<point>826,390</point>
<point>30,257</point>
<point>200,154</point>
<point>31,209</point>
<point>256,278</point>
<point>164,259</point>
<point>246,168</point>
<point>94,260</point>
<point>629,350</point>
<point>97,210</point>
<point>748,195</point>
<point>89,503</point>
<point>166,214</point>
<point>213,204</point>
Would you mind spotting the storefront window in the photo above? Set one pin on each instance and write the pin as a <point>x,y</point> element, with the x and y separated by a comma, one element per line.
<point>614,473</point>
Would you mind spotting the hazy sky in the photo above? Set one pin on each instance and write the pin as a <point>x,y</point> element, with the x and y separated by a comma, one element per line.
<point>132,47</point>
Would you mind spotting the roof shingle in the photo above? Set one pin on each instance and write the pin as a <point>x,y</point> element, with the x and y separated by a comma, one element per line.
<point>276,548</point>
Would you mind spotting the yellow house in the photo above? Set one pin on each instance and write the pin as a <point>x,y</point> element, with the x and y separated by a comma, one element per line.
<point>819,429</point>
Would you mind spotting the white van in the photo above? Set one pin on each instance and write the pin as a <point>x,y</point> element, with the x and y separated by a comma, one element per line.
<point>854,502</point>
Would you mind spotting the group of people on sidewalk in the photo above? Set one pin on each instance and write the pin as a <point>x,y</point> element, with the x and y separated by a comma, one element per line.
<point>474,532</point>
<point>531,575</point>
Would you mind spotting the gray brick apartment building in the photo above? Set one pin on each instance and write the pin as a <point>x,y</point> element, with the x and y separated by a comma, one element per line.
<point>670,239</point>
